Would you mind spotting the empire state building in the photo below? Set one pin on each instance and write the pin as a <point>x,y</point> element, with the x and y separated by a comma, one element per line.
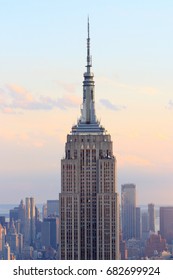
<point>89,208</point>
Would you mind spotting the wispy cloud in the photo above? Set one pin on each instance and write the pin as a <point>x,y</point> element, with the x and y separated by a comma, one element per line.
<point>67,101</point>
<point>8,110</point>
<point>106,103</point>
<point>14,97</point>
<point>170,105</point>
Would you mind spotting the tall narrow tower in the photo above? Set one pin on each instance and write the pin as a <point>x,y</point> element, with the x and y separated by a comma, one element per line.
<point>89,210</point>
<point>151,217</point>
<point>30,221</point>
<point>128,211</point>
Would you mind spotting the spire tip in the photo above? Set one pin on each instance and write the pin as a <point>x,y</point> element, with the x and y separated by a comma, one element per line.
<point>88,27</point>
<point>88,48</point>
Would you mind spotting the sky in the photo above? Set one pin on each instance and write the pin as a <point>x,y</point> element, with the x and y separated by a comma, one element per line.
<point>42,61</point>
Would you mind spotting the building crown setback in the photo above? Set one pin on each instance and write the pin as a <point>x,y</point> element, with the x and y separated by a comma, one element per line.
<point>88,123</point>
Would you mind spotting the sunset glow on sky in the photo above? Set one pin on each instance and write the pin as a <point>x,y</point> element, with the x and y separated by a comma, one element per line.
<point>43,58</point>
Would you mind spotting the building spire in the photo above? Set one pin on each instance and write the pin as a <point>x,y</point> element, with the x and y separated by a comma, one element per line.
<point>89,63</point>
<point>88,122</point>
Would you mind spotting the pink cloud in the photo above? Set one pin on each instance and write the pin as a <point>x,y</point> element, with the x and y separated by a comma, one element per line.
<point>8,110</point>
<point>19,93</point>
<point>14,97</point>
<point>68,101</point>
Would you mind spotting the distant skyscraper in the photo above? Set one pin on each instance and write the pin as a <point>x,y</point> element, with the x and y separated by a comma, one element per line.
<point>151,217</point>
<point>44,211</point>
<point>138,223</point>
<point>7,252</point>
<point>14,214</point>
<point>52,208</point>
<point>145,227</point>
<point>128,211</point>
<point>49,231</point>
<point>21,216</point>
<point>2,240</point>
<point>2,220</point>
<point>89,210</point>
<point>20,241</point>
<point>45,233</point>
<point>30,221</point>
<point>166,223</point>
<point>12,239</point>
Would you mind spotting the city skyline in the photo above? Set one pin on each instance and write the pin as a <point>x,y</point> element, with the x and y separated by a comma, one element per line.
<point>40,92</point>
<point>148,243</point>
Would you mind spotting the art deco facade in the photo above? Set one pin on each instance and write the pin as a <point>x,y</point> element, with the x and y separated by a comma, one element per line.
<point>89,220</point>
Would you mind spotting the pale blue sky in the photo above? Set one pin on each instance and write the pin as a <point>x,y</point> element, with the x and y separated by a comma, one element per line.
<point>42,60</point>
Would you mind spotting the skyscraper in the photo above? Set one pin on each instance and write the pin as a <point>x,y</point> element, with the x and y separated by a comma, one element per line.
<point>128,211</point>
<point>138,223</point>
<point>6,252</point>
<point>50,232</point>
<point>151,217</point>
<point>89,210</point>
<point>30,221</point>
<point>52,208</point>
<point>166,223</point>
<point>145,227</point>
<point>2,240</point>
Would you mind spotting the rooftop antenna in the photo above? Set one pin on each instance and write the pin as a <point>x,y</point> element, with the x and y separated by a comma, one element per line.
<point>89,64</point>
